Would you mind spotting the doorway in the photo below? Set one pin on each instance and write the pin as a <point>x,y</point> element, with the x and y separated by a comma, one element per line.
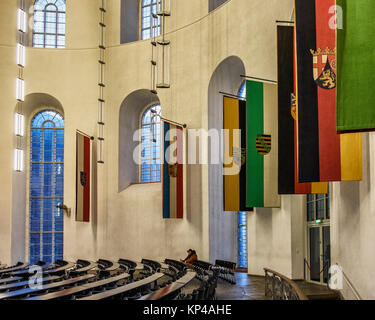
<point>318,259</point>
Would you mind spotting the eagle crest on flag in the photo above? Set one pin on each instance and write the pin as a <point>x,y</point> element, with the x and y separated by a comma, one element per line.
<point>172,170</point>
<point>83,178</point>
<point>263,144</point>
<point>324,68</point>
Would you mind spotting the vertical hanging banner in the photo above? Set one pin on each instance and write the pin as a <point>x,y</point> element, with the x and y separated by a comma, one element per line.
<point>356,65</point>
<point>173,171</point>
<point>235,155</point>
<point>287,102</point>
<point>322,153</point>
<point>262,146</point>
<point>83,178</point>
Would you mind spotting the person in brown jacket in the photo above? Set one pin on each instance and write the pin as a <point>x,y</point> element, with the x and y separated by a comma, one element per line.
<point>191,258</point>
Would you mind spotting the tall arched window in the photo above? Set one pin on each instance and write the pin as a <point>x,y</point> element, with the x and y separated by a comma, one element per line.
<point>149,7</point>
<point>46,221</point>
<point>150,150</point>
<point>49,24</point>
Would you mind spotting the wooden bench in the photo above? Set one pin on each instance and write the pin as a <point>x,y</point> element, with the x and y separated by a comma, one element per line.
<point>54,285</point>
<point>108,268</point>
<point>86,266</point>
<point>171,289</point>
<point>9,280</point>
<point>15,268</point>
<point>59,270</point>
<point>12,286</point>
<point>79,289</point>
<point>155,266</point>
<point>125,288</point>
<point>26,272</point>
<point>139,266</point>
<point>164,265</point>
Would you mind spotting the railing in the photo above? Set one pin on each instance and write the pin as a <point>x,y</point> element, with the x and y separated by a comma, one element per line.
<point>315,274</point>
<point>350,284</point>
<point>279,287</point>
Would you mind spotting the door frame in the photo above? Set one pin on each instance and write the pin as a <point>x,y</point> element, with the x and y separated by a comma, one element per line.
<point>320,226</point>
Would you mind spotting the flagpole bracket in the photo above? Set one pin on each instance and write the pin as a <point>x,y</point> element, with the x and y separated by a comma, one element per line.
<point>65,209</point>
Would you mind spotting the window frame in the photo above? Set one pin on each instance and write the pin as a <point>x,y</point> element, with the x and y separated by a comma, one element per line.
<point>30,161</point>
<point>314,200</point>
<point>44,34</point>
<point>143,113</point>
<point>141,28</point>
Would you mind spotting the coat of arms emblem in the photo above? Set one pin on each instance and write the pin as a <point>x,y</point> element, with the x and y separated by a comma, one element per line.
<point>263,144</point>
<point>324,68</point>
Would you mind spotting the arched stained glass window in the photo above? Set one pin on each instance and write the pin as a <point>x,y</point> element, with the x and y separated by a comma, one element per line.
<point>46,221</point>
<point>149,7</point>
<point>49,24</point>
<point>150,150</point>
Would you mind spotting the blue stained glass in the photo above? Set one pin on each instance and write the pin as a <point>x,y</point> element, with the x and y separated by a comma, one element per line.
<point>242,90</point>
<point>242,239</point>
<point>34,250</point>
<point>35,225</point>
<point>46,187</point>
<point>47,258</point>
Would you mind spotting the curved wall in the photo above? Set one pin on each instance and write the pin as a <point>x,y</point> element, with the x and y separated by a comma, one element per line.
<point>129,223</point>
<point>223,225</point>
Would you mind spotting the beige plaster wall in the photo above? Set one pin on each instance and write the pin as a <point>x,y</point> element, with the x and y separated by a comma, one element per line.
<point>129,224</point>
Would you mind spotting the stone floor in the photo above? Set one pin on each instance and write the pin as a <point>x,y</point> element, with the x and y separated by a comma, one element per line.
<point>247,288</point>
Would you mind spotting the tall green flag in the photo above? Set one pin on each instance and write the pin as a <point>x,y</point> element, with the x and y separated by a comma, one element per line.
<point>262,146</point>
<point>356,65</point>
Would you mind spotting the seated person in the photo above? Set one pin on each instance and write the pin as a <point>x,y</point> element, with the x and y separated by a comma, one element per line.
<point>191,258</point>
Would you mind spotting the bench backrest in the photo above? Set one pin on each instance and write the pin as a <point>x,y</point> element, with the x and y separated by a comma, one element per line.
<point>53,285</point>
<point>78,289</point>
<point>123,289</point>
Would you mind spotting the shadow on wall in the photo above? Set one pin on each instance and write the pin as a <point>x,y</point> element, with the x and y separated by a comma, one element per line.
<point>34,103</point>
<point>223,225</point>
<point>129,122</point>
<point>213,4</point>
<point>129,21</point>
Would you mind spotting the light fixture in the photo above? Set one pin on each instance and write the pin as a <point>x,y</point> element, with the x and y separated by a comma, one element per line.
<point>18,160</point>
<point>19,124</point>
<point>21,20</point>
<point>20,89</point>
<point>20,55</point>
<point>164,7</point>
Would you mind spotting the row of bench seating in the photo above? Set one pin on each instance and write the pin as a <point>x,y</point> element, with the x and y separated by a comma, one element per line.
<point>226,270</point>
<point>104,279</point>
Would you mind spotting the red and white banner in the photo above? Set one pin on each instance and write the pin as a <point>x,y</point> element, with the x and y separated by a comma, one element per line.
<point>83,178</point>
